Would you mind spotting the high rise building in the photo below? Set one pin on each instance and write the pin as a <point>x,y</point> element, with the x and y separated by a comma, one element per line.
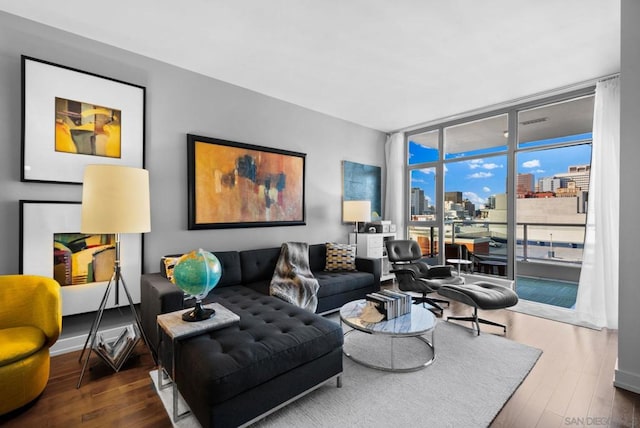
<point>552,184</point>
<point>524,185</point>
<point>455,197</point>
<point>417,201</point>
<point>579,174</point>
<point>491,202</point>
<point>470,208</point>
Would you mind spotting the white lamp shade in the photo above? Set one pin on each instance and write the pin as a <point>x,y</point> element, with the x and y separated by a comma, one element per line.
<point>115,199</point>
<point>356,211</point>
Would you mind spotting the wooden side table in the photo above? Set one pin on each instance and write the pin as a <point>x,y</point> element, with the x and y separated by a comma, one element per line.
<point>173,326</point>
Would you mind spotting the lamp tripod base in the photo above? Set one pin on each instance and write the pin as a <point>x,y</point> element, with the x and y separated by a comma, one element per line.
<point>198,313</point>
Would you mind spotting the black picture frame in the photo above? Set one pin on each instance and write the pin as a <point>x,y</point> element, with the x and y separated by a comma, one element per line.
<point>72,118</point>
<point>235,185</point>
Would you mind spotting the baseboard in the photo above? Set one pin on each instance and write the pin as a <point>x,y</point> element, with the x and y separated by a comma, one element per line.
<point>626,380</point>
<point>75,343</point>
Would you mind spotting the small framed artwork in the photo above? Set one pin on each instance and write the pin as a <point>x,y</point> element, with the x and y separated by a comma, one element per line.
<point>233,185</point>
<point>51,245</point>
<point>72,118</point>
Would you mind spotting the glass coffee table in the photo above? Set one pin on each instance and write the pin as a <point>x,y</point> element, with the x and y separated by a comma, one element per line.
<point>413,325</point>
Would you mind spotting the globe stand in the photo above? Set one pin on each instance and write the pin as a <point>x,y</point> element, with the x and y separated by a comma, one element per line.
<point>198,313</point>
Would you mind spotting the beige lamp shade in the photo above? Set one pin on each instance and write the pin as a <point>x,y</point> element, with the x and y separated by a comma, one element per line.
<point>356,211</point>
<point>115,199</point>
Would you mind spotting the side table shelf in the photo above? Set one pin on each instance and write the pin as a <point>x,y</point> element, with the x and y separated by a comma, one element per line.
<point>177,329</point>
<point>116,352</point>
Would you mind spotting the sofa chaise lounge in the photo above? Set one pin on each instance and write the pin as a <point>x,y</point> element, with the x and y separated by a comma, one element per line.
<point>275,354</point>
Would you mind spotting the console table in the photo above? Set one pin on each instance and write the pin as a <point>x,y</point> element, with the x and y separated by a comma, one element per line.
<point>372,245</point>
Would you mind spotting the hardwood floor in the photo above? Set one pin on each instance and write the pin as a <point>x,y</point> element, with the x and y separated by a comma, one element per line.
<point>571,384</point>
<point>105,399</point>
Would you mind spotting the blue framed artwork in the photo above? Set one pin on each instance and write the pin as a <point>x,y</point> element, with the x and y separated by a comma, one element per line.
<point>363,182</point>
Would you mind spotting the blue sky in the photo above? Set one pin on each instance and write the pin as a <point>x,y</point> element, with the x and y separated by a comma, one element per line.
<point>481,178</point>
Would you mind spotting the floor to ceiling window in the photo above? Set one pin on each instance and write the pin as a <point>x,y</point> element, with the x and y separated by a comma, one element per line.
<point>424,197</point>
<point>511,187</point>
<point>553,168</point>
<point>475,185</point>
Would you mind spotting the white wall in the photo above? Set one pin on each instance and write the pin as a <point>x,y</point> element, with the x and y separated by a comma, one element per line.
<point>628,372</point>
<point>179,102</point>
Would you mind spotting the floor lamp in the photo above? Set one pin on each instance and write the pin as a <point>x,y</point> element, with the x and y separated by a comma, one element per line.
<point>115,200</point>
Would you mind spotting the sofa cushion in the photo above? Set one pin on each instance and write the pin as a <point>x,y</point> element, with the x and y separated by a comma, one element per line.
<point>258,265</point>
<point>317,256</point>
<point>231,269</point>
<point>340,257</point>
<point>272,338</point>
<point>341,282</point>
<point>167,264</point>
<point>17,343</point>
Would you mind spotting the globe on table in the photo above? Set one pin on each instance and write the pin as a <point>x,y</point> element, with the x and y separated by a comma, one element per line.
<point>197,273</point>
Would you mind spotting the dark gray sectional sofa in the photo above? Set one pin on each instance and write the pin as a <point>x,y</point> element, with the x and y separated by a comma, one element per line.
<point>276,353</point>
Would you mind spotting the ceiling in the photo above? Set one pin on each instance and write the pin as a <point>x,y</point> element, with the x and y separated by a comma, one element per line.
<point>386,65</point>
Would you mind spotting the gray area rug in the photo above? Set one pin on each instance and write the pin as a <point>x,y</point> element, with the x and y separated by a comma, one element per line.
<point>466,386</point>
<point>555,313</point>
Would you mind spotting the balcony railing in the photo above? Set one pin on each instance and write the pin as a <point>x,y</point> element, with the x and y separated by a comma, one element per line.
<point>548,255</point>
<point>542,242</point>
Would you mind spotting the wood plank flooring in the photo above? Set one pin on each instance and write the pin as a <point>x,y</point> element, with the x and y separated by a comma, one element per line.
<point>571,384</point>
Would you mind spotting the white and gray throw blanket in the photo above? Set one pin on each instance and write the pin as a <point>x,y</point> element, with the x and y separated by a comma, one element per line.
<point>292,280</point>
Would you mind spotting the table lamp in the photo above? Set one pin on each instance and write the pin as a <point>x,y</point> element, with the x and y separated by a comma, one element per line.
<point>115,200</point>
<point>356,211</point>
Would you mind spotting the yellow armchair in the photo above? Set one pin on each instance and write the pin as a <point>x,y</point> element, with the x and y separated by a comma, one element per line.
<point>30,322</point>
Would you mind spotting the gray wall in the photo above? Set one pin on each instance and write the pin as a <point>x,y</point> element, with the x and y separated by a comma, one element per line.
<point>628,371</point>
<point>179,102</point>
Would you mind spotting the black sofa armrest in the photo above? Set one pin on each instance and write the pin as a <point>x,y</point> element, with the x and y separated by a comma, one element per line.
<point>158,296</point>
<point>374,266</point>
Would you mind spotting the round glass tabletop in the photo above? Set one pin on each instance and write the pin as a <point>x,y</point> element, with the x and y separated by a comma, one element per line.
<point>417,322</point>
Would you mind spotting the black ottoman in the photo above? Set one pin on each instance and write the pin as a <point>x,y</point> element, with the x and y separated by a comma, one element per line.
<point>275,354</point>
<point>483,295</point>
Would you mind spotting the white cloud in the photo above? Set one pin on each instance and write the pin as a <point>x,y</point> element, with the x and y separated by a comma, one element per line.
<point>475,163</point>
<point>486,189</point>
<point>481,175</point>
<point>534,163</point>
<point>478,201</point>
<point>479,163</point>
<point>491,166</point>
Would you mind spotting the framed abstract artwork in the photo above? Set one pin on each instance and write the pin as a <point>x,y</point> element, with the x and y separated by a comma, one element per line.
<point>363,182</point>
<point>51,245</point>
<point>72,118</point>
<point>234,185</point>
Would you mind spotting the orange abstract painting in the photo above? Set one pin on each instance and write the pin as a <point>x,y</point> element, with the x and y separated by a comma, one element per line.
<point>238,185</point>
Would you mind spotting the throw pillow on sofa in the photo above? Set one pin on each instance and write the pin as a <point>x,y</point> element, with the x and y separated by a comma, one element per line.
<point>340,257</point>
<point>168,263</point>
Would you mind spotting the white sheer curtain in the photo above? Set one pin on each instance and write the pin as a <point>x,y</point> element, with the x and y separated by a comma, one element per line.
<point>394,189</point>
<point>597,300</point>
